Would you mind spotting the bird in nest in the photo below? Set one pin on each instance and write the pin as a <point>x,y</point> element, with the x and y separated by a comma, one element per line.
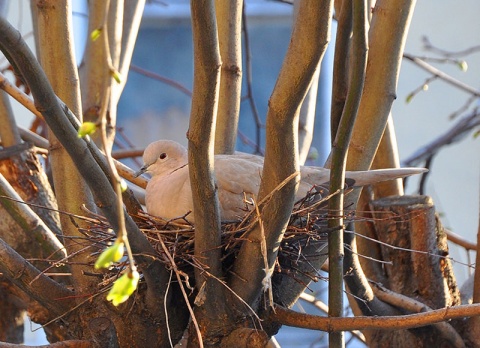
<point>237,177</point>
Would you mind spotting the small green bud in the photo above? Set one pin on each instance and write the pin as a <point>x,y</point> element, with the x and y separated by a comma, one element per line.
<point>87,128</point>
<point>462,65</point>
<point>123,185</point>
<point>116,75</point>
<point>96,34</point>
<point>110,255</point>
<point>409,98</point>
<point>123,288</point>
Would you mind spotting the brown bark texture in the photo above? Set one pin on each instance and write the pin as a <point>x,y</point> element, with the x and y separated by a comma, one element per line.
<point>415,245</point>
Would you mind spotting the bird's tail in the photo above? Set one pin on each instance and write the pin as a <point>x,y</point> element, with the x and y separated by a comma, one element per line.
<point>368,177</point>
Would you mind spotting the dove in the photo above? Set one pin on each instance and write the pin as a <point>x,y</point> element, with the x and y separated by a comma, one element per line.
<point>237,177</point>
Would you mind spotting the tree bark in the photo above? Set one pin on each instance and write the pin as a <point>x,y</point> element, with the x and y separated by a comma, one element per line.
<point>384,58</point>
<point>23,230</point>
<point>20,166</point>
<point>86,156</point>
<point>13,310</point>
<point>415,244</point>
<point>55,41</point>
<point>212,312</point>
<point>229,21</point>
<point>95,75</point>
<point>23,171</point>
<point>309,41</point>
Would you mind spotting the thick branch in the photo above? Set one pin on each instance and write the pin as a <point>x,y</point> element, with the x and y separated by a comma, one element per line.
<point>63,344</point>
<point>313,322</point>
<point>29,279</point>
<point>8,132</point>
<point>55,41</point>
<point>387,157</point>
<point>132,16</point>
<point>200,158</point>
<point>443,328</point>
<point>306,117</point>
<point>28,227</point>
<point>310,36</point>
<point>229,18</point>
<point>18,53</point>
<point>473,324</point>
<point>95,75</point>
<point>384,58</point>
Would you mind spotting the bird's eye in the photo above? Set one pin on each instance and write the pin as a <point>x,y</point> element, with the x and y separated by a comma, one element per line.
<point>163,155</point>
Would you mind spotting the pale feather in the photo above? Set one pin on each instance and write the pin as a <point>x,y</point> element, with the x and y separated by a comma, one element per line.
<point>168,193</point>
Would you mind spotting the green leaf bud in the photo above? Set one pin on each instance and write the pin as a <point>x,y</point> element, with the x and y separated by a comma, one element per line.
<point>123,288</point>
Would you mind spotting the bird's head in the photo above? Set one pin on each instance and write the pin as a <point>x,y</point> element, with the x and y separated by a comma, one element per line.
<point>163,156</point>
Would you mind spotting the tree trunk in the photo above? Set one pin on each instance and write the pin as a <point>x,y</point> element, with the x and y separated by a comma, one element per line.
<point>22,169</point>
<point>12,309</point>
<point>416,246</point>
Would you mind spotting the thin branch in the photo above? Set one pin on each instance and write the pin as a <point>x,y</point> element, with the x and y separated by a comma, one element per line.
<point>473,324</point>
<point>339,161</point>
<point>161,78</point>
<point>132,16</point>
<point>127,153</point>
<point>250,96</point>
<point>121,231</point>
<point>341,67</point>
<point>422,87</point>
<point>18,95</point>
<point>440,74</point>
<point>459,240</point>
<point>182,289</point>
<point>306,118</point>
<point>430,47</point>
<point>456,133</point>
<point>33,138</point>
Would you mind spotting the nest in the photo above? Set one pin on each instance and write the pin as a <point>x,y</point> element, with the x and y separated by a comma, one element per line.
<point>301,253</point>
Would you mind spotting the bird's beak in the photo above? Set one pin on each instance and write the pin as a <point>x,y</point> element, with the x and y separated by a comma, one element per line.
<point>141,171</point>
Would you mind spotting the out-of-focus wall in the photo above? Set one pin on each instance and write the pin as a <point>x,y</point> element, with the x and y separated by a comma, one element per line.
<point>454,179</point>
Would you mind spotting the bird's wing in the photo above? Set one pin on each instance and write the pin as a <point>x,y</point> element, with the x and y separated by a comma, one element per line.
<point>238,181</point>
<point>237,175</point>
